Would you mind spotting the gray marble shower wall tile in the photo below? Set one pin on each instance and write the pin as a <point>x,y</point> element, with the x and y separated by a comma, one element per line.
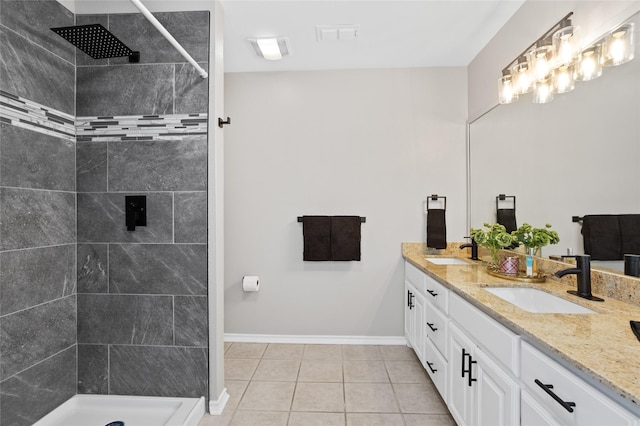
<point>34,276</point>
<point>93,369</point>
<point>191,320</point>
<point>190,210</point>
<point>91,166</point>
<point>134,371</point>
<point>192,91</point>
<point>36,160</point>
<point>30,395</point>
<point>125,319</point>
<point>101,218</point>
<point>190,29</point>
<point>158,269</point>
<point>158,165</point>
<point>34,19</point>
<point>32,218</point>
<point>34,334</point>
<point>92,268</point>
<point>34,73</point>
<point>124,90</point>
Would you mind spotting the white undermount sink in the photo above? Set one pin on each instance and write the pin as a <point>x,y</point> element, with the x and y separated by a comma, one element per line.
<point>446,261</point>
<point>534,300</point>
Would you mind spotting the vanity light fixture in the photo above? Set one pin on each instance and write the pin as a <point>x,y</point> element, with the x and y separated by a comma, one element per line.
<point>618,46</point>
<point>271,48</point>
<point>554,62</point>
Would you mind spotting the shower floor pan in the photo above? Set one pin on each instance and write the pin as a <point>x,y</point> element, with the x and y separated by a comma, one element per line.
<point>100,410</point>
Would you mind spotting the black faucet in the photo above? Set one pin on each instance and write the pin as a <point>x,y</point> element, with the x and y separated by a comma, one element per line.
<point>583,277</point>
<point>474,248</point>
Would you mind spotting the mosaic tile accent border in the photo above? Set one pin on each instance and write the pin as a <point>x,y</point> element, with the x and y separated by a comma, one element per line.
<point>22,112</point>
<point>141,127</point>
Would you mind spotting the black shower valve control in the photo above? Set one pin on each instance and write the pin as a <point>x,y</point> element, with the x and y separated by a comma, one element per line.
<point>135,211</point>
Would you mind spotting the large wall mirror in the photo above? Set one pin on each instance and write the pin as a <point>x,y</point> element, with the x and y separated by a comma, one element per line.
<point>577,155</point>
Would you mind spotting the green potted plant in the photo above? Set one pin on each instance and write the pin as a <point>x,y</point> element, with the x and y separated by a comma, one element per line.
<point>534,239</point>
<point>494,237</point>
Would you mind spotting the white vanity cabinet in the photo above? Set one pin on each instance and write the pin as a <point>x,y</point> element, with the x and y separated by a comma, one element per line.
<point>480,390</point>
<point>554,395</point>
<point>487,375</point>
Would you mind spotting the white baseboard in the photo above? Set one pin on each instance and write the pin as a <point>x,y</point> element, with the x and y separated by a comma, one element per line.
<point>216,407</point>
<point>315,339</point>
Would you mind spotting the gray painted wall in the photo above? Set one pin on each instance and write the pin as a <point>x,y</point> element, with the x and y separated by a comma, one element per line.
<point>37,218</point>
<point>142,295</point>
<point>371,143</point>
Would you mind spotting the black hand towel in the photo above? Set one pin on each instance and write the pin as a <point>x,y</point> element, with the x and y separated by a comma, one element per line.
<point>345,237</point>
<point>601,235</point>
<point>630,233</point>
<point>316,231</point>
<point>436,229</point>
<point>507,218</point>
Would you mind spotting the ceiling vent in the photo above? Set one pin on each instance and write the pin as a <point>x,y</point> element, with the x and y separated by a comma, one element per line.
<point>337,32</point>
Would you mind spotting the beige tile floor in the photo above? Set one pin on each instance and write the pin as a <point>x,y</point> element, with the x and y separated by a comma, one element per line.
<point>327,385</point>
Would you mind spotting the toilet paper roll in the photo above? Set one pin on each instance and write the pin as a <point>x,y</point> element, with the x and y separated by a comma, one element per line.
<point>250,283</point>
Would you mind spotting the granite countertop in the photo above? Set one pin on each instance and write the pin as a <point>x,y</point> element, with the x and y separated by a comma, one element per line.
<point>601,347</point>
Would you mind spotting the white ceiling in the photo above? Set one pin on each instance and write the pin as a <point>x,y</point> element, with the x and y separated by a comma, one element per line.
<point>393,33</point>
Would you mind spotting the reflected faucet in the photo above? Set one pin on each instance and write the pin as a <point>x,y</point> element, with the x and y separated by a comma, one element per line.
<point>583,277</point>
<point>474,248</point>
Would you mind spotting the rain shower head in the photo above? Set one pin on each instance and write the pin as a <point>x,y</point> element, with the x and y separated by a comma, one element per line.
<point>96,41</point>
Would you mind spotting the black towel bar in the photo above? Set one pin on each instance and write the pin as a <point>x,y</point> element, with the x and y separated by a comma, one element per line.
<point>576,219</point>
<point>362,219</point>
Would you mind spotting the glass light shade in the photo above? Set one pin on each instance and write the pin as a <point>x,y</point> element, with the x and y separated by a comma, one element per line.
<point>590,66</point>
<point>522,80</point>
<point>543,91</point>
<point>542,61</point>
<point>564,79</point>
<point>566,43</point>
<point>619,46</point>
<point>506,90</point>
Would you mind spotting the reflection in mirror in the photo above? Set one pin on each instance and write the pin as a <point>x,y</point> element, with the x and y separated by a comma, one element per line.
<point>575,156</point>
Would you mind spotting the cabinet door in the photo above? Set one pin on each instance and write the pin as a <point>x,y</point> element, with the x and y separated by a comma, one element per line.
<point>532,413</point>
<point>419,325</point>
<point>497,396</point>
<point>408,311</point>
<point>459,385</point>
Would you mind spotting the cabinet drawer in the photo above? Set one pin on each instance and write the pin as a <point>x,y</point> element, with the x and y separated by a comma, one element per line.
<point>437,294</point>
<point>436,367</point>
<point>591,406</point>
<point>492,337</point>
<point>437,327</point>
<point>415,276</point>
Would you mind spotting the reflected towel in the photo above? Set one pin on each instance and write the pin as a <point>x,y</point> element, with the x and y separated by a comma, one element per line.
<point>507,218</point>
<point>630,233</point>
<point>316,231</point>
<point>601,235</point>
<point>436,229</point>
<point>345,237</point>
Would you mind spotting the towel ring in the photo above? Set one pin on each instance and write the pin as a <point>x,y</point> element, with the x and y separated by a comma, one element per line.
<point>436,197</point>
